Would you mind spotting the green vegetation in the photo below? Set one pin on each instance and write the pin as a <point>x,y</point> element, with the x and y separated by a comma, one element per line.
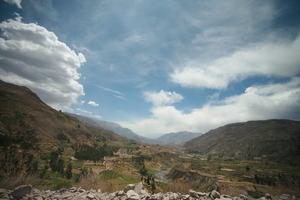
<point>62,137</point>
<point>110,174</point>
<point>86,152</point>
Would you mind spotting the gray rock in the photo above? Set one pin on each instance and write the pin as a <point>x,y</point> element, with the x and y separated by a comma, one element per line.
<point>243,197</point>
<point>120,193</point>
<point>268,196</point>
<point>285,197</point>
<point>3,192</point>
<point>193,193</point>
<point>129,187</point>
<point>81,190</point>
<point>66,195</point>
<point>157,196</point>
<point>138,188</point>
<point>132,195</point>
<point>214,194</point>
<point>90,196</point>
<point>21,191</point>
<point>38,198</point>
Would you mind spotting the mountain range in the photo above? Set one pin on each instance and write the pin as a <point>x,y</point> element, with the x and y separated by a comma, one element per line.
<point>177,138</point>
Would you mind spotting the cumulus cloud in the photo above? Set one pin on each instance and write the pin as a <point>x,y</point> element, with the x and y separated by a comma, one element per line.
<point>32,56</point>
<point>93,103</point>
<point>279,59</point>
<point>162,97</point>
<point>16,2</point>
<point>281,100</point>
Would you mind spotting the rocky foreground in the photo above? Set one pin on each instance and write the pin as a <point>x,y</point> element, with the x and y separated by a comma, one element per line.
<point>130,192</point>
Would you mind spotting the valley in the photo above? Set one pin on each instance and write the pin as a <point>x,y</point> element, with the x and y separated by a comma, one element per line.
<point>52,150</point>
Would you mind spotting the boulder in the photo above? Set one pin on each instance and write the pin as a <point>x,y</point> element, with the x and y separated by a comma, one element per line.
<point>157,196</point>
<point>129,187</point>
<point>268,196</point>
<point>21,191</point>
<point>285,197</point>
<point>132,195</point>
<point>90,196</point>
<point>4,193</point>
<point>214,194</point>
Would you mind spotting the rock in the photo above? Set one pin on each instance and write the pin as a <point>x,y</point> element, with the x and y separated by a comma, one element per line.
<point>157,196</point>
<point>3,191</point>
<point>214,194</point>
<point>132,195</point>
<point>185,196</point>
<point>129,187</point>
<point>120,193</point>
<point>243,197</point>
<point>38,198</point>
<point>268,196</point>
<point>66,195</point>
<point>285,197</point>
<point>90,196</point>
<point>3,194</point>
<point>138,188</point>
<point>193,193</point>
<point>21,191</point>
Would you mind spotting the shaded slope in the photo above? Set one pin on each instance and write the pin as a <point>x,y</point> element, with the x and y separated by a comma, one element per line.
<point>17,101</point>
<point>30,131</point>
<point>278,139</point>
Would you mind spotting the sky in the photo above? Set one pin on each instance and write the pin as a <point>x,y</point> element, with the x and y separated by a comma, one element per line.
<point>157,66</point>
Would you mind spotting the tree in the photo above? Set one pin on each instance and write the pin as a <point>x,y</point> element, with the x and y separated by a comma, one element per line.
<point>60,166</point>
<point>43,173</point>
<point>69,171</point>
<point>53,161</point>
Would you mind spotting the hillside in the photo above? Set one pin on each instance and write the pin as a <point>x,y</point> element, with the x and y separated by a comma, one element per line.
<point>278,139</point>
<point>111,126</point>
<point>177,138</point>
<point>30,129</point>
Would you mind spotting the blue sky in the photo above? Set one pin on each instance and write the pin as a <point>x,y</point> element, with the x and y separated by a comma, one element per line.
<point>157,67</point>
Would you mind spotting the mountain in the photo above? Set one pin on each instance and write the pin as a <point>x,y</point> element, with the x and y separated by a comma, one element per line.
<point>277,139</point>
<point>177,138</point>
<point>30,128</point>
<point>111,126</point>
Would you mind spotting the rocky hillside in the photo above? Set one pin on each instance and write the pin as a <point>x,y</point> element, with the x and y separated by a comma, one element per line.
<point>277,139</point>
<point>177,138</point>
<point>131,192</point>
<point>29,128</point>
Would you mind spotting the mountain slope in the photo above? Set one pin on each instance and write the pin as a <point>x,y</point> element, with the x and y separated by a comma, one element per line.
<point>279,139</point>
<point>177,138</point>
<point>111,126</point>
<point>29,127</point>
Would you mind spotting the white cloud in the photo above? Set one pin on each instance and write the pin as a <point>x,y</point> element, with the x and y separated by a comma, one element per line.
<point>116,93</point>
<point>93,103</point>
<point>80,111</point>
<point>32,56</point>
<point>281,100</point>
<point>280,59</point>
<point>16,2</point>
<point>162,97</point>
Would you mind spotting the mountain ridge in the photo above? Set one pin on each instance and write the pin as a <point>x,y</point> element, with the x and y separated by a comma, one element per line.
<point>246,140</point>
<point>177,138</point>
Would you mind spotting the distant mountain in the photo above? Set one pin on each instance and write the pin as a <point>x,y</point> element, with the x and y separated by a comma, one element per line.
<point>111,126</point>
<point>177,138</point>
<point>277,139</point>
